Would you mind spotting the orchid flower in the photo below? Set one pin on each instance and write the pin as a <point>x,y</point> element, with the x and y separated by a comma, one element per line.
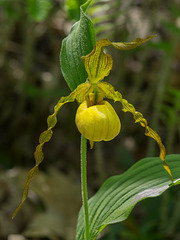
<point>96,119</point>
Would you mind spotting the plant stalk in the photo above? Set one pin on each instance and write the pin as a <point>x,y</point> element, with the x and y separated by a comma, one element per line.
<point>84,186</point>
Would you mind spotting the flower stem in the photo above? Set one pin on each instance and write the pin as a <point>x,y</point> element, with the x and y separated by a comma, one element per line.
<point>84,186</point>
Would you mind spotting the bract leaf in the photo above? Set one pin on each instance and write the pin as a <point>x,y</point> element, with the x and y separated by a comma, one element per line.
<point>109,92</point>
<point>85,5</point>
<point>119,194</point>
<point>98,64</point>
<point>79,93</point>
<point>79,42</point>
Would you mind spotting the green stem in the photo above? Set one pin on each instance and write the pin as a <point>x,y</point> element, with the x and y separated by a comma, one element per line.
<point>84,186</point>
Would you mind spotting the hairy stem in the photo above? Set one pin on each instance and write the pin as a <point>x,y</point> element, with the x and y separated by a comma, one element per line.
<point>84,186</point>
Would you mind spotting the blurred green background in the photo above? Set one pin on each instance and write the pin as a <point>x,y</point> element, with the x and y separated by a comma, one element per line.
<point>31,82</point>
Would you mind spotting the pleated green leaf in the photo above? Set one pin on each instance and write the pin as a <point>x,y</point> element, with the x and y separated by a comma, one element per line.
<point>78,43</point>
<point>39,9</point>
<point>119,194</point>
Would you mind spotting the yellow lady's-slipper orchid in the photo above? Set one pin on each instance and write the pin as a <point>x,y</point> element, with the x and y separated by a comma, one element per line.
<point>95,118</point>
<point>97,122</point>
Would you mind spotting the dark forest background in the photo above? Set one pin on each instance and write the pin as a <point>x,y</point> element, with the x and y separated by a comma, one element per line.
<point>31,83</point>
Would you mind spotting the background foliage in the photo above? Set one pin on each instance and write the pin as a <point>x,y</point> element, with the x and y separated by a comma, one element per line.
<point>31,83</point>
